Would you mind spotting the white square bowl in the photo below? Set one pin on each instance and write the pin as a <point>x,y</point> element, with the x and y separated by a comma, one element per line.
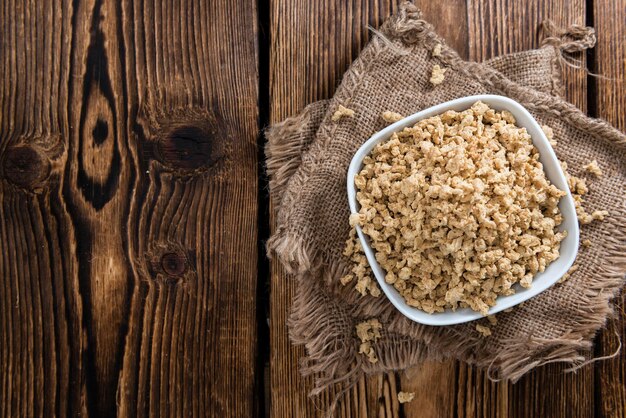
<point>552,168</point>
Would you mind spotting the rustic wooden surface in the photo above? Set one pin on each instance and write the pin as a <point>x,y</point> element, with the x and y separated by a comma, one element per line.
<point>131,282</point>
<point>610,103</point>
<point>128,206</point>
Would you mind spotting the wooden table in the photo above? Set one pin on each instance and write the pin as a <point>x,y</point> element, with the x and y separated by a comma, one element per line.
<point>133,208</point>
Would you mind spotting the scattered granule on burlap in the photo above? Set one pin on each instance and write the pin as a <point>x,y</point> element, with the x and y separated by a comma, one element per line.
<point>569,273</point>
<point>437,50</point>
<point>437,75</point>
<point>583,216</point>
<point>593,168</point>
<point>404,397</point>
<point>599,215</point>
<point>484,330</point>
<point>577,185</point>
<point>368,332</point>
<point>342,112</point>
<point>586,243</point>
<point>391,117</point>
<point>367,350</point>
<point>579,188</point>
<point>492,319</point>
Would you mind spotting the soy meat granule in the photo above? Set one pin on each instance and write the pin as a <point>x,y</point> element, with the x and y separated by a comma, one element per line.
<point>567,275</point>
<point>593,168</point>
<point>404,397</point>
<point>365,281</point>
<point>391,117</point>
<point>437,50</point>
<point>368,332</point>
<point>458,209</point>
<point>342,112</point>
<point>579,188</point>
<point>438,75</point>
<point>484,330</point>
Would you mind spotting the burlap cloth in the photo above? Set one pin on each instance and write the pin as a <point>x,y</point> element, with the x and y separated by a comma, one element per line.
<point>307,160</point>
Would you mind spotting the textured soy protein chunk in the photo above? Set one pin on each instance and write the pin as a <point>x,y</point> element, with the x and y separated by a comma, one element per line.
<point>405,397</point>
<point>593,168</point>
<point>368,332</point>
<point>438,75</point>
<point>342,112</point>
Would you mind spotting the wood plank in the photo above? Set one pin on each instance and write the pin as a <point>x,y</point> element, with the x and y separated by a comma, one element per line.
<point>434,385</point>
<point>498,27</point>
<point>128,141</point>
<point>41,346</point>
<point>192,349</point>
<point>312,45</point>
<point>609,19</point>
<point>477,396</point>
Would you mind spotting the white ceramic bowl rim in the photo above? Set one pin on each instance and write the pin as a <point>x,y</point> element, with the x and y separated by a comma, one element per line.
<point>541,281</point>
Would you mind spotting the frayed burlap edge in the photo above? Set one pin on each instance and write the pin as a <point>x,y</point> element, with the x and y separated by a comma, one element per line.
<point>334,366</point>
<point>286,142</point>
<point>332,356</point>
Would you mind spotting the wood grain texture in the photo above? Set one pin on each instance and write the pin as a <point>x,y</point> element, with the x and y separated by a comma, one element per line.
<point>312,44</point>
<point>434,385</point>
<point>128,205</point>
<point>128,199</point>
<point>41,311</point>
<point>499,27</point>
<point>609,19</point>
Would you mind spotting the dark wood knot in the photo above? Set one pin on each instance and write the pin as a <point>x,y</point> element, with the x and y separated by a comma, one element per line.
<point>100,131</point>
<point>26,167</point>
<point>174,264</point>
<point>190,147</point>
<point>170,263</point>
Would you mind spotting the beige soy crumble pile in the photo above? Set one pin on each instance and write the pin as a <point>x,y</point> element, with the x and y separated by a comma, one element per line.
<point>457,209</point>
